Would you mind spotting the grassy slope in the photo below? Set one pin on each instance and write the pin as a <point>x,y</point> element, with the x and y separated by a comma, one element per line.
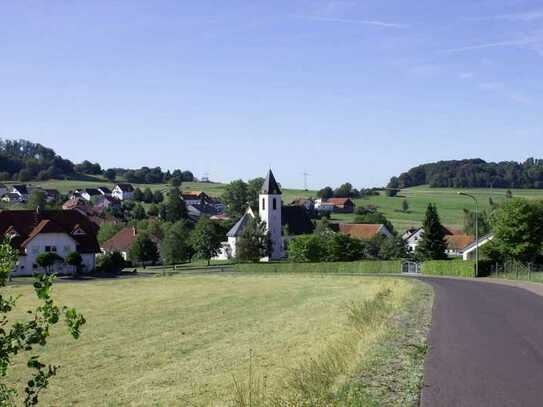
<point>183,340</point>
<point>449,203</point>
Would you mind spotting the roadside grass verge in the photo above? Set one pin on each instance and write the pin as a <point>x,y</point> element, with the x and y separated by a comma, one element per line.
<point>377,361</point>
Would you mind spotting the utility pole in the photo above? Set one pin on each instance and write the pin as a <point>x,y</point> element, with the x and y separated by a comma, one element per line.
<point>306,175</point>
<point>476,230</point>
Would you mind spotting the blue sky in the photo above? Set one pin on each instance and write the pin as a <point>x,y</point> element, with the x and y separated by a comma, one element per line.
<point>346,90</point>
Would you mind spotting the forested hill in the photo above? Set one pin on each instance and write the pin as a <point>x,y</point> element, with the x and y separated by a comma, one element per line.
<point>473,173</point>
<point>22,160</point>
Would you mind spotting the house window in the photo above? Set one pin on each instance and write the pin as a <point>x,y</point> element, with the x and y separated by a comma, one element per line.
<point>263,204</point>
<point>51,249</point>
<point>274,204</point>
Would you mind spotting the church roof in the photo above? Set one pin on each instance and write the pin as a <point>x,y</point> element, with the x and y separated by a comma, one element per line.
<point>270,186</point>
<point>239,227</point>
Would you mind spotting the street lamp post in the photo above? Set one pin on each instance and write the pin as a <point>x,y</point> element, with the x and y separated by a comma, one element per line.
<point>476,230</point>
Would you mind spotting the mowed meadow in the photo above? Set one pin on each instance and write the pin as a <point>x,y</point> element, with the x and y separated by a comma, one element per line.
<point>237,339</point>
<point>450,205</point>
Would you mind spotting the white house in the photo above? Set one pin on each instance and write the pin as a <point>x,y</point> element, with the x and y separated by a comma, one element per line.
<point>412,238</point>
<point>468,253</point>
<point>89,194</point>
<point>58,231</point>
<point>323,206</point>
<point>20,190</point>
<point>12,198</point>
<point>123,192</point>
<point>270,212</point>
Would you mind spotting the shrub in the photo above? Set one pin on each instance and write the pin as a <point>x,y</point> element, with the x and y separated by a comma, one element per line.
<point>110,263</point>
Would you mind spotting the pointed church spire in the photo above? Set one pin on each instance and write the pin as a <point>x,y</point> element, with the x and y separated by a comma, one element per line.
<point>270,186</point>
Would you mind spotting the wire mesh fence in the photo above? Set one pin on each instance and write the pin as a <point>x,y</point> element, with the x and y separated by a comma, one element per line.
<point>515,270</point>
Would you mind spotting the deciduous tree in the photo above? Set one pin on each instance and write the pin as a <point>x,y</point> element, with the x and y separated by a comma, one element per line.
<point>518,229</point>
<point>205,239</point>
<point>176,246</point>
<point>254,242</point>
<point>144,249</point>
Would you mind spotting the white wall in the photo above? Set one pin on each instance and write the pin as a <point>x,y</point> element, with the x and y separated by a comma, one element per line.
<point>272,217</point>
<point>64,245</point>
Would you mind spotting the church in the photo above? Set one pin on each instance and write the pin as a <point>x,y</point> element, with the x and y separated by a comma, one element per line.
<point>277,218</point>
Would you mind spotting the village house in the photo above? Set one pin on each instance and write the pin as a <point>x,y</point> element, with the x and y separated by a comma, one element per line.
<point>121,242</point>
<point>104,202</point>
<point>195,198</point>
<point>20,190</point>
<point>468,252</point>
<point>123,192</point>
<point>90,194</point>
<point>57,231</point>
<point>322,205</point>
<point>104,191</point>
<point>456,240</point>
<point>342,205</point>
<point>11,197</point>
<point>457,243</point>
<point>77,203</point>
<point>203,203</point>
<point>363,231</point>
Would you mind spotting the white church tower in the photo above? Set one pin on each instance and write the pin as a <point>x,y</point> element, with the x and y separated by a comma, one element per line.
<point>270,212</point>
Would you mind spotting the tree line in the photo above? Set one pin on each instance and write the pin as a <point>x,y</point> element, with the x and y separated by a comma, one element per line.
<point>473,173</point>
<point>346,190</point>
<point>24,161</point>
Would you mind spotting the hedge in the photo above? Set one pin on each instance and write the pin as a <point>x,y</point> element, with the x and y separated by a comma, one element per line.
<point>456,268</point>
<point>368,266</point>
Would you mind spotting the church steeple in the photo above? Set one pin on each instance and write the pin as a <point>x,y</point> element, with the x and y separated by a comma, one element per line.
<point>270,211</point>
<point>270,186</point>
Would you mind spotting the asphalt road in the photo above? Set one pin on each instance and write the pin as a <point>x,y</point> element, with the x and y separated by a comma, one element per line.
<point>486,346</point>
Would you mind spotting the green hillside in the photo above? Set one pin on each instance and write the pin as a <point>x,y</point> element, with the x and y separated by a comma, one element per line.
<point>448,202</point>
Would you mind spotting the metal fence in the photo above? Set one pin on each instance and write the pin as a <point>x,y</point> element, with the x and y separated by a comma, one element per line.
<point>514,270</point>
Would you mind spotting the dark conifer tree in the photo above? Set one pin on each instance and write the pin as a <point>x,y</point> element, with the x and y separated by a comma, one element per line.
<point>432,246</point>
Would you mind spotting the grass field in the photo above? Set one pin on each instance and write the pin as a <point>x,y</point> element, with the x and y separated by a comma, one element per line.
<point>225,339</point>
<point>449,203</point>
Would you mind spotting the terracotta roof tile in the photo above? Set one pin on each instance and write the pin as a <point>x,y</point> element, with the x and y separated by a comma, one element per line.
<point>360,231</point>
<point>458,242</point>
<point>339,201</point>
<point>121,241</point>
